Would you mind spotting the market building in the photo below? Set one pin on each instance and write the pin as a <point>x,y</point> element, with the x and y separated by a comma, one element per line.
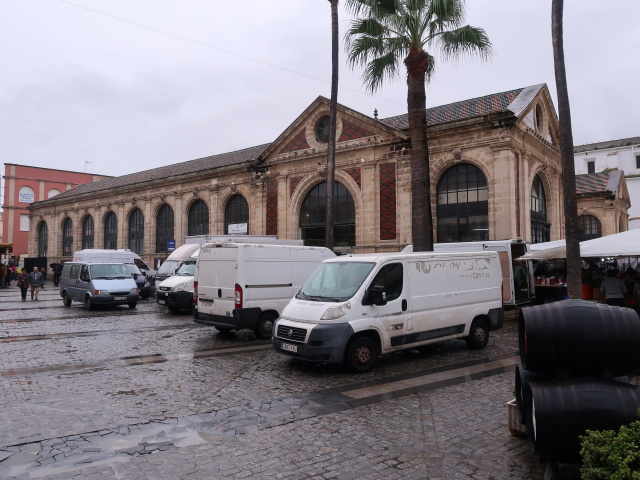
<point>495,169</point>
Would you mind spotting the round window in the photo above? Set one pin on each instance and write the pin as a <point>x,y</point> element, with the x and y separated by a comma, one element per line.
<point>322,129</point>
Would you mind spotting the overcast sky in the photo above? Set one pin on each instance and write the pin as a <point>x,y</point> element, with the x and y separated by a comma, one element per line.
<point>130,85</point>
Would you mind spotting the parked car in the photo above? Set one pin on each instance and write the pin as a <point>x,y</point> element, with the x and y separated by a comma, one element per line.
<point>176,292</point>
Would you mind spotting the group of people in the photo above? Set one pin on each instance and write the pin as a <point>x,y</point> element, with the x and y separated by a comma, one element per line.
<point>7,273</point>
<point>33,281</point>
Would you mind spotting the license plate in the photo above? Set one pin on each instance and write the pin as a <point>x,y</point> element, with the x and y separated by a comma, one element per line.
<point>161,302</point>
<point>288,347</point>
<point>119,298</point>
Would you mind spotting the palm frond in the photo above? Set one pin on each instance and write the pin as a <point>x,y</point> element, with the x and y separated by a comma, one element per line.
<point>380,69</point>
<point>466,40</point>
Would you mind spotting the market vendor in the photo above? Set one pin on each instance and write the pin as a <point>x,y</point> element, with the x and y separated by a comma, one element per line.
<point>614,289</point>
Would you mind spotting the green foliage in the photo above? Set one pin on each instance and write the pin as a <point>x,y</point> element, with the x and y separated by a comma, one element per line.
<point>611,455</point>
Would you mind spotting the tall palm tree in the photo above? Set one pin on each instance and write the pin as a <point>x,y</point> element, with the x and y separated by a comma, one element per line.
<point>331,149</point>
<point>574,264</point>
<point>386,32</point>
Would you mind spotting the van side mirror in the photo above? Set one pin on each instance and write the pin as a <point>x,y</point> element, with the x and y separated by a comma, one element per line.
<point>376,296</point>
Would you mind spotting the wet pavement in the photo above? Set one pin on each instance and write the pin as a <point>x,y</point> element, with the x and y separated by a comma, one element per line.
<point>147,394</point>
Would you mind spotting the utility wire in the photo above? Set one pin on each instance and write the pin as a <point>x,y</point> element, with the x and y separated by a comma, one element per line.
<point>222,50</point>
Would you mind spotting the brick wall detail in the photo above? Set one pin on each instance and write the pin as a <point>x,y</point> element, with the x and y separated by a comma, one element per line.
<point>351,132</point>
<point>299,142</point>
<point>355,174</point>
<point>293,184</point>
<point>388,201</point>
<point>272,206</point>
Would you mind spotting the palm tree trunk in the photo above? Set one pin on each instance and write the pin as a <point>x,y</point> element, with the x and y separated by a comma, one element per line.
<point>574,264</point>
<point>331,148</point>
<point>421,215</point>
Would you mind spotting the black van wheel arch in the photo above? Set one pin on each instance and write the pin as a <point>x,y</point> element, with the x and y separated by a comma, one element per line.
<point>88,302</point>
<point>264,328</point>
<point>361,354</point>
<point>65,299</point>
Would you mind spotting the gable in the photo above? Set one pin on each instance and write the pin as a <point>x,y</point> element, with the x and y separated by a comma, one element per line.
<point>535,109</point>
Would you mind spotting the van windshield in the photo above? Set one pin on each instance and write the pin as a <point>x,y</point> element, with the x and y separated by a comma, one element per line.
<point>168,267</point>
<point>187,269</point>
<point>335,281</point>
<point>109,270</point>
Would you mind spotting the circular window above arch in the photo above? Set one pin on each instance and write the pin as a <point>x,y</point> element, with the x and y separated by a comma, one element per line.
<point>322,129</point>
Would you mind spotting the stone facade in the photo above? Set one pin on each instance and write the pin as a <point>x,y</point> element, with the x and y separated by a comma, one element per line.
<point>510,137</point>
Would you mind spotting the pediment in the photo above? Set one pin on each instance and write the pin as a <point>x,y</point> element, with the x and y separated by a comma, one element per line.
<point>304,137</point>
<point>535,109</point>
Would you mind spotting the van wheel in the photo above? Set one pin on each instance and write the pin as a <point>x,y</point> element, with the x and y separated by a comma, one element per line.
<point>362,355</point>
<point>173,309</point>
<point>264,329</point>
<point>66,300</point>
<point>88,303</point>
<point>478,334</point>
<point>132,304</point>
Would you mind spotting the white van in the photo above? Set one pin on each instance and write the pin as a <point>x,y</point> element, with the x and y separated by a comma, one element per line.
<point>121,255</point>
<point>176,292</point>
<point>354,308</point>
<point>508,250</point>
<point>173,261</point>
<point>246,286</point>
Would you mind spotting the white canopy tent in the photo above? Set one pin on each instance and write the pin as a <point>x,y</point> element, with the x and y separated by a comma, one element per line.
<point>624,244</point>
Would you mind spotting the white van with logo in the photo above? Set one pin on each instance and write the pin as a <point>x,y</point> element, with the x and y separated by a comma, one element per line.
<point>246,286</point>
<point>352,309</point>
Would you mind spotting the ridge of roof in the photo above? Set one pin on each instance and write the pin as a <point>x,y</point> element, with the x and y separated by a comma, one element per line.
<point>622,142</point>
<point>597,182</point>
<point>492,103</point>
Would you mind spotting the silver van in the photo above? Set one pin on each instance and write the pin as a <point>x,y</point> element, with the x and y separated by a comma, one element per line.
<point>98,284</point>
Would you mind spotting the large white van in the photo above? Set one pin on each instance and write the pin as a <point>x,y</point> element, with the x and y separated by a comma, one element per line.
<point>97,255</point>
<point>351,309</point>
<point>176,292</point>
<point>246,286</point>
<point>508,250</point>
<point>173,262</point>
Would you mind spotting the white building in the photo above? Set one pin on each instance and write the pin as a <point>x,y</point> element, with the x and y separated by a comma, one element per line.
<point>623,154</point>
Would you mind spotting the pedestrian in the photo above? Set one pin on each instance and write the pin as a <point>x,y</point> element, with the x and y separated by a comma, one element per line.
<point>56,268</point>
<point>3,274</point>
<point>36,281</point>
<point>520,282</point>
<point>613,288</point>
<point>11,273</point>
<point>23,283</point>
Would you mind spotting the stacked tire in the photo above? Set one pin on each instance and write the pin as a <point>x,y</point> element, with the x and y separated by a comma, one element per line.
<point>575,357</point>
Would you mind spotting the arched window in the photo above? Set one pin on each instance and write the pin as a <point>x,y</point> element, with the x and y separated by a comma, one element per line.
<point>111,231</point>
<point>87,232</point>
<point>164,228</point>
<point>462,205</point>
<point>236,216</point>
<point>198,219</point>
<point>136,231</point>
<point>588,228</point>
<point>539,226</point>
<point>313,216</point>
<point>43,239</point>
<point>67,238</point>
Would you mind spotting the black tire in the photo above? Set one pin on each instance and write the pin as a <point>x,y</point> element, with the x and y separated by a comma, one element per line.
<point>264,329</point>
<point>362,355</point>
<point>145,296</point>
<point>66,300</point>
<point>223,329</point>
<point>89,303</point>
<point>133,305</point>
<point>478,334</point>
<point>173,309</point>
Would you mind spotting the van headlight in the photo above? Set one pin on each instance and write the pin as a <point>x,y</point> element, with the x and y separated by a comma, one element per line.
<point>336,311</point>
<point>135,290</point>
<point>180,287</point>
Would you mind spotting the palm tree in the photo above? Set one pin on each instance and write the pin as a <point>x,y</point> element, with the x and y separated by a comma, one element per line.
<point>574,264</point>
<point>331,149</point>
<point>388,31</point>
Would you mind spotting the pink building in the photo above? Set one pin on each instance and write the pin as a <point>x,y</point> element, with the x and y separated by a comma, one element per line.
<point>24,185</point>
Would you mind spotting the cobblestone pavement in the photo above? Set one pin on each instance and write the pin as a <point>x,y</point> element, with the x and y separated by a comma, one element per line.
<point>146,394</point>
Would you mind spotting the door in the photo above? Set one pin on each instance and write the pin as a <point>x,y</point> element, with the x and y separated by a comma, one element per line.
<point>393,317</point>
<point>84,283</point>
<point>72,281</point>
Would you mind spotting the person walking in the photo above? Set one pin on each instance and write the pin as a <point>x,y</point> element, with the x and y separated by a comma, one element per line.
<point>613,289</point>
<point>56,268</point>
<point>36,281</point>
<point>23,283</point>
<point>11,273</point>
<point>3,274</point>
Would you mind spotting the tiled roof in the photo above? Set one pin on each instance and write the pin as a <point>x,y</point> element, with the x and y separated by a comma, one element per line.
<point>497,102</point>
<point>600,182</point>
<point>192,166</point>
<point>623,142</point>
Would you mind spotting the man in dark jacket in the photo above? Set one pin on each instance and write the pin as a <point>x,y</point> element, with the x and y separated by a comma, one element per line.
<point>36,280</point>
<point>56,268</point>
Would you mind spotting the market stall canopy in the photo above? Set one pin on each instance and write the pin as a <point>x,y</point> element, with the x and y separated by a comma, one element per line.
<point>535,247</point>
<point>624,244</point>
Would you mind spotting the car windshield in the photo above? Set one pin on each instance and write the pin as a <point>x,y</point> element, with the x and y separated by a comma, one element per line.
<point>109,270</point>
<point>168,267</point>
<point>335,281</point>
<point>132,268</point>
<point>187,269</point>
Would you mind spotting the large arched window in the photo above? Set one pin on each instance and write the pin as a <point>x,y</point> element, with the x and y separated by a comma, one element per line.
<point>164,228</point>
<point>87,232</point>
<point>463,205</point>
<point>539,227</point>
<point>111,231</point>
<point>588,227</point>
<point>43,239</point>
<point>313,216</point>
<point>198,219</point>
<point>136,231</point>
<point>67,238</point>
<point>236,216</point>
